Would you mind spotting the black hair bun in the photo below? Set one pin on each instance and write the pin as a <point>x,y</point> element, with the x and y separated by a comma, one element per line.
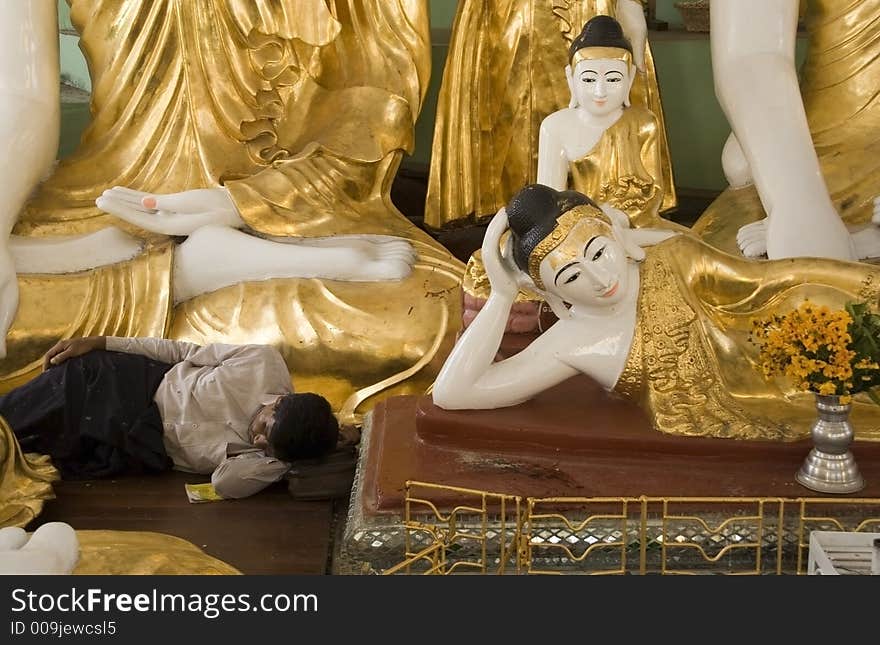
<point>535,202</point>
<point>532,215</point>
<point>600,31</point>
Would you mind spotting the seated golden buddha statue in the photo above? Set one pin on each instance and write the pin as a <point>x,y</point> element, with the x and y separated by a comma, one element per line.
<point>502,79</point>
<point>267,134</point>
<point>804,159</point>
<point>665,325</point>
<point>601,145</point>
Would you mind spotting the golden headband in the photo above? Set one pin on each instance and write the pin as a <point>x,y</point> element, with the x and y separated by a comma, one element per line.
<point>564,224</point>
<point>595,53</point>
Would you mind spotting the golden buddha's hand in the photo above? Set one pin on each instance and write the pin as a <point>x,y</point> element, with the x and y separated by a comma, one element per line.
<point>172,214</point>
<point>71,347</point>
<point>503,275</point>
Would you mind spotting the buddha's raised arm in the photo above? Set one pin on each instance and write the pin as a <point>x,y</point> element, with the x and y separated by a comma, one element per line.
<point>470,378</point>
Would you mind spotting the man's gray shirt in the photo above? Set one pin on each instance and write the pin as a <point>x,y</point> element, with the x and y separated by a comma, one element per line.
<point>207,401</point>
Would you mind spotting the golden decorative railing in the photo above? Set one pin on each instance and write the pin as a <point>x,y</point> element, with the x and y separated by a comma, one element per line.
<point>456,530</point>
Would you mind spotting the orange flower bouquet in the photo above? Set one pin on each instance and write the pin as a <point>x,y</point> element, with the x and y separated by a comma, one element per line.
<point>825,351</point>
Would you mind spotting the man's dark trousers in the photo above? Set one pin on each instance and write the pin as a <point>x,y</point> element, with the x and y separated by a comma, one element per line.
<point>93,414</point>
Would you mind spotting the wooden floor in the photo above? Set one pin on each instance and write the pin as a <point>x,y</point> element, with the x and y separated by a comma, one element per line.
<point>269,533</point>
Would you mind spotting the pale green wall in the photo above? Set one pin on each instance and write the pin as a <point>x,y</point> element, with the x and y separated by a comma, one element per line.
<point>695,124</point>
<point>73,65</point>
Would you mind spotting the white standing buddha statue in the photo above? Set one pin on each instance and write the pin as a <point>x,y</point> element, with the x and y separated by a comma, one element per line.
<point>802,157</point>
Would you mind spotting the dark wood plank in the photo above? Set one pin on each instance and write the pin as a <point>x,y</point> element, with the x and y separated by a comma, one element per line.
<point>269,533</point>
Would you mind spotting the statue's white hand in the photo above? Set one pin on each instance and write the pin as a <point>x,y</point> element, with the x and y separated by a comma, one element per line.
<point>631,16</point>
<point>617,216</point>
<point>502,273</point>
<point>173,214</point>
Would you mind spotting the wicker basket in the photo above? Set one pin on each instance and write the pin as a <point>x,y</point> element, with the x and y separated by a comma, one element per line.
<point>695,14</point>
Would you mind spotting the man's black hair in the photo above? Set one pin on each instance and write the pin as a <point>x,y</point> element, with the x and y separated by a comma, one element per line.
<point>304,427</point>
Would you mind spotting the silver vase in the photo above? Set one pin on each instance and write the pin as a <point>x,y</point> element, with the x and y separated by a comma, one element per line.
<point>830,466</point>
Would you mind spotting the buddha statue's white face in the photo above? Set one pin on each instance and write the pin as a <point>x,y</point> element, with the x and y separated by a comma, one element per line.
<point>588,267</point>
<point>601,86</point>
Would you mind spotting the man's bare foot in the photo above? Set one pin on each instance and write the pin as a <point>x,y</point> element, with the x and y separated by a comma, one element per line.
<point>753,241</point>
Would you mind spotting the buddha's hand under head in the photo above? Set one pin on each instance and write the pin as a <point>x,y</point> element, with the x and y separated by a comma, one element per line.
<point>503,275</point>
<point>172,214</point>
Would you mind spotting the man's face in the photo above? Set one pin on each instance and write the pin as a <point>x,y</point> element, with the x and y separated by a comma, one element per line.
<point>261,426</point>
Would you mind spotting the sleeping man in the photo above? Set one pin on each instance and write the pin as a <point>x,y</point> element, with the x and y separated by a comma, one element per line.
<point>108,405</point>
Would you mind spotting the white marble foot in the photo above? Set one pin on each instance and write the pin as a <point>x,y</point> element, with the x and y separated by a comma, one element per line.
<point>12,537</point>
<point>752,239</point>
<point>867,242</point>
<point>53,549</point>
<point>379,258</point>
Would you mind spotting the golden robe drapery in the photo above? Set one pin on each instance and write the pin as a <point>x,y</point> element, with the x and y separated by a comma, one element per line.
<point>25,481</point>
<point>691,365</point>
<point>624,168</point>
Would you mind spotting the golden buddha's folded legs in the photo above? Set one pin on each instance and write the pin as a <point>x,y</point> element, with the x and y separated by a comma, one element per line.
<point>338,338</point>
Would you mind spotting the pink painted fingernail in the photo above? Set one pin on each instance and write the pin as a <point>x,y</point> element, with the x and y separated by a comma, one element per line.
<point>149,202</point>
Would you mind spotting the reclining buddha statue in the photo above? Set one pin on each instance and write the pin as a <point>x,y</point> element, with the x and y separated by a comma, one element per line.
<point>232,186</point>
<point>503,77</point>
<point>662,322</point>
